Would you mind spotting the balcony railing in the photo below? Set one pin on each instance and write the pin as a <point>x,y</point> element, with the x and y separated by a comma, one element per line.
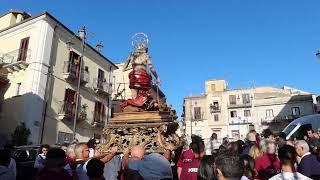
<point>278,119</point>
<point>240,105</point>
<point>13,62</point>
<point>67,110</point>
<point>70,70</point>
<point>215,109</point>
<point>98,119</point>
<point>240,120</point>
<point>100,86</point>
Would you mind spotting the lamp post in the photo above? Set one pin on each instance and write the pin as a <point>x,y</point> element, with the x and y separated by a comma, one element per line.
<point>82,36</point>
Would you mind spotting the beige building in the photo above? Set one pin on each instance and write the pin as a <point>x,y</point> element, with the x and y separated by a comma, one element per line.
<point>41,60</point>
<point>233,113</point>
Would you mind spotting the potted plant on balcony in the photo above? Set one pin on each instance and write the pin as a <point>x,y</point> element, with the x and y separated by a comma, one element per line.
<point>83,113</point>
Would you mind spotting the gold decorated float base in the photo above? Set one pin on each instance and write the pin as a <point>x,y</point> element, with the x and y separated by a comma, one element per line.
<point>153,129</point>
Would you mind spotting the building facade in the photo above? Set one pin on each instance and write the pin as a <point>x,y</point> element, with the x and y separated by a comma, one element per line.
<point>233,113</point>
<point>41,59</point>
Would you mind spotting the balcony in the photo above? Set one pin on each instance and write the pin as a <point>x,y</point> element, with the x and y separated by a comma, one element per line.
<point>84,77</point>
<point>214,109</point>
<point>70,71</point>
<point>240,105</point>
<point>67,110</point>
<point>278,120</point>
<point>100,86</point>
<point>15,60</point>
<point>98,119</point>
<point>240,120</point>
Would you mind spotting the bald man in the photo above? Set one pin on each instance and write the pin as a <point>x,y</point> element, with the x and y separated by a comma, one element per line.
<point>137,152</point>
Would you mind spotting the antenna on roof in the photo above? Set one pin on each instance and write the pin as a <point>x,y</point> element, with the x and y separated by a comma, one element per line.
<point>100,46</point>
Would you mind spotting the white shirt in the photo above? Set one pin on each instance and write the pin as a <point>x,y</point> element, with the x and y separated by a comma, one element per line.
<point>289,176</point>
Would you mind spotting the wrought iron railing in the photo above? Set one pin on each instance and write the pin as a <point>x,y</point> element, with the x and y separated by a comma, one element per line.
<point>15,56</point>
<point>101,85</point>
<point>98,118</point>
<point>69,67</point>
<point>67,108</point>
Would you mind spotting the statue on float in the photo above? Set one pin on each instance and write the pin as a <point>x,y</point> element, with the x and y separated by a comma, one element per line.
<point>140,79</point>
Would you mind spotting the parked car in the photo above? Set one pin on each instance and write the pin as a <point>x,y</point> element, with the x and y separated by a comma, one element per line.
<point>297,129</point>
<point>25,157</point>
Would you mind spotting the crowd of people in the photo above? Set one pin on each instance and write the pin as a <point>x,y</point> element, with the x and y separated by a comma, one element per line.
<point>257,157</point>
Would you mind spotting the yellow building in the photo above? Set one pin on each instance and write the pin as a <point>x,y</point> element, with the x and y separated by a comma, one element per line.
<point>40,65</point>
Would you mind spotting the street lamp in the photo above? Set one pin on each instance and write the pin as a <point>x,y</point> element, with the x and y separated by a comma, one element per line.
<point>82,36</point>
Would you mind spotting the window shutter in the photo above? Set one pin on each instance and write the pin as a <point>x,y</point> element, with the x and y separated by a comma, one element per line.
<point>102,113</point>
<point>23,49</point>
<point>96,111</point>
<point>197,113</point>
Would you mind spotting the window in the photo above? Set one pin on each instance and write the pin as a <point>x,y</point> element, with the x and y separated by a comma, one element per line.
<point>213,87</point>
<point>245,98</point>
<point>269,113</point>
<point>216,105</point>
<point>247,113</point>
<point>216,117</point>
<point>233,114</point>
<point>18,89</point>
<point>99,113</point>
<point>232,99</point>
<point>74,63</point>
<point>69,104</point>
<point>295,111</point>
<point>235,134</point>
<point>23,49</point>
<point>101,79</point>
<point>197,113</point>
<point>86,69</point>
<point>64,137</point>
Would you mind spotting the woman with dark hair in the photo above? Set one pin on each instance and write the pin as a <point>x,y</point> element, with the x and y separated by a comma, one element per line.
<point>95,169</point>
<point>205,171</point>
<point>249,171</point>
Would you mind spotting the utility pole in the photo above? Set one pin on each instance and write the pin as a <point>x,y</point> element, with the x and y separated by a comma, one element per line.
<point>82,36</point>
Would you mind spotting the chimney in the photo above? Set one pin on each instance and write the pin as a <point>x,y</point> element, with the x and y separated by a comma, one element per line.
<point>12,17</point>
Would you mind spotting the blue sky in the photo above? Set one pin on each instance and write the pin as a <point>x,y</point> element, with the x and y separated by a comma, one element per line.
<point>243,41</point>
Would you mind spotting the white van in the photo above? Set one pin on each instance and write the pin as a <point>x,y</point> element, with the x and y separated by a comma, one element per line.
<point>297,129</point>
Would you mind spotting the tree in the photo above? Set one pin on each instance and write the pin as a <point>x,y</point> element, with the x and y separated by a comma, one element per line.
<point>20,135</point>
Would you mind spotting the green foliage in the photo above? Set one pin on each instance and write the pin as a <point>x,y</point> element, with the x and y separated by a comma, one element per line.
<point>20,135</point>
<point>83,112</point>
